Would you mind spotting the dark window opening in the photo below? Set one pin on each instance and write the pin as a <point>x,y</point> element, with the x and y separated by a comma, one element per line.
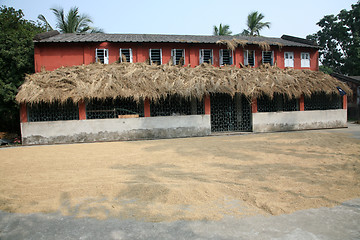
<point>176,106</point>
<point>225,57</point>
<point>249,58</point>
<point>113,108</point>
<point>267,57</point>
<point>178,56</point>
<point>53,111</point>
<point>126,54</point>
<point>278,103</point>
<point>323,101</point>
<point>206,56</point>
<point>102,56</point>
<point>155,56</point>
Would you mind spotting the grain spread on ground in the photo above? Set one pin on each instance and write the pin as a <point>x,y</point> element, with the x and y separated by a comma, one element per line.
<point>188,178</point>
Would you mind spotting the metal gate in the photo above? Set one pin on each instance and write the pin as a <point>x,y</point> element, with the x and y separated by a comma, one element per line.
<point>230,114</point>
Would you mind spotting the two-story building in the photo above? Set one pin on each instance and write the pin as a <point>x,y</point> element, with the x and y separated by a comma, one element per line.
<point>102,87</point>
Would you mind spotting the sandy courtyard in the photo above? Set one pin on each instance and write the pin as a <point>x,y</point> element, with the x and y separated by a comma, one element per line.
<point>188,178</point>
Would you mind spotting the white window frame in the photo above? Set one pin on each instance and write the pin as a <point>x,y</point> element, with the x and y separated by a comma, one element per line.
<point>151,62</point>
<point>106,55</point>
<point>272,57</point>
<point>289,62</point>
<point>201,56</point>
<point>246,57</point>
<point>305,62</point>
<point>221,58</point>
<point>130,51</point>
<point>173,54</point>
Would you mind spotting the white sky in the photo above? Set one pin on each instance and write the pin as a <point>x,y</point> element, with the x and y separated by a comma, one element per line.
<point>193,17</point>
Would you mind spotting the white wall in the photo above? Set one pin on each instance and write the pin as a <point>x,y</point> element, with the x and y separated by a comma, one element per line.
<point>297,120</point>
<point>115,129</point>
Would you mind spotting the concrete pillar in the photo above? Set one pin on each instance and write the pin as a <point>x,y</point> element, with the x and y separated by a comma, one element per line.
<point>23,113</point>
<point>147,107</point>
<point>207,105</point>
<point>82,110</point>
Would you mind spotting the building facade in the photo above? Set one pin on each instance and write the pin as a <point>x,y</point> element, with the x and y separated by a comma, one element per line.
<point>94,119</point>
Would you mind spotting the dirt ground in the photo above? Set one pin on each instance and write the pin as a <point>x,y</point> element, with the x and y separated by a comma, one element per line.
<point>183,179</point>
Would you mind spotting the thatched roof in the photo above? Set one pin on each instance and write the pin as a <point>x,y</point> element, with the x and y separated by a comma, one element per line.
<point>140,81</point>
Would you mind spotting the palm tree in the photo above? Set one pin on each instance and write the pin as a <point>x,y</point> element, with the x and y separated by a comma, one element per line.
<point>254,24</point>
<point>73,22</point>
<point>222,30</point>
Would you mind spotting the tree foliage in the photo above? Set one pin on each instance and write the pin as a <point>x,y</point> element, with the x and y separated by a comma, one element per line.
<point>222,30</point>
<point>16,60</point>
<point>340,38</point>
<point>72,22</point>
<point>255,24</point>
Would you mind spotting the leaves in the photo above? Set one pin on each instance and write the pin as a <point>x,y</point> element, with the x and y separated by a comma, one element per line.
<point>340,38</point>
<point>255,24</point>
<point>16,59</point>
<point>72,22</point>
<point>222,30</point>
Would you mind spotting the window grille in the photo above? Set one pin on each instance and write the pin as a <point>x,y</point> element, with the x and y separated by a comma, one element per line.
<point>249,58</point>
<point>155,56</point>
<point>178,56</point>
<point>305,59</point>
<point>225,57</point>
<point>268,57</point>
<point>206,56</point>
<point>323,101</point>
<point>112,108</point>
<point>278,103</point>
<point>127,54</point>
<point>175,105</point>
<point>53,111</point>
<point>102,56</point>
<point>230,114</point>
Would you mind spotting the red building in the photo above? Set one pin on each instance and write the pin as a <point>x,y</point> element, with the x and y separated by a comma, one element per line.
<point>308,100</point>
<point>76,49</point>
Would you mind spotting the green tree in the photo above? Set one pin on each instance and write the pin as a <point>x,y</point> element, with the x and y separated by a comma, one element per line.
<point>72,22</point>
<point>339,38</point>
<point>222,30</point>
<point>16,60</point>
<point>254,24</point>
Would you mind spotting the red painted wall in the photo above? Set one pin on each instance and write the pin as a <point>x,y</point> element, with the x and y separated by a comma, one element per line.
<point>50,56</point>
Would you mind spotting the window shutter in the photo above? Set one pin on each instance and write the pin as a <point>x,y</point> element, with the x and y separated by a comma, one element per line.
<point>201,59</point>
<point>173,56</point>
<point>131,55</point>
<point>150,56</point>
<point>246,60</point>
<point>160,56</point>
<point>221,57</point>
<point>106,56</point>
<point>184,56</point>
<point>96,55</point>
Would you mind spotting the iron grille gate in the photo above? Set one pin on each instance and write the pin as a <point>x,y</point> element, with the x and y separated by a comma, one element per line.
<point>230,114</point>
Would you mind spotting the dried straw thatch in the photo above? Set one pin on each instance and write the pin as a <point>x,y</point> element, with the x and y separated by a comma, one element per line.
<point>140,80</point>
<point>234,43</point>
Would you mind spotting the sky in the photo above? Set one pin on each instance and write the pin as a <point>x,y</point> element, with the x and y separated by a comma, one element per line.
<point>192,17</point>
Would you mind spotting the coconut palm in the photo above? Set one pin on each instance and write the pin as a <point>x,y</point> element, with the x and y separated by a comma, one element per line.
<point>255,24</point>
<point>222,30</point>
<point>73,22</point>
